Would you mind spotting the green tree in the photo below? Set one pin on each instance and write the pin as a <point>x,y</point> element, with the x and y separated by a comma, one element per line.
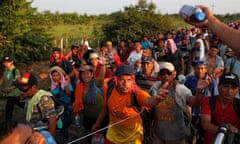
<point>136,21</point>
<point>19,26</point>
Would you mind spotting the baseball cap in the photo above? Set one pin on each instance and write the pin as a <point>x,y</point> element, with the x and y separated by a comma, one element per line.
<point>85,68</point>
<point>124,70</point>
<point>147,59</point>
<point>7,58</point>
<point>93,55</point>
<point>167,65</point>
<point>108,43</point>
<point>228,50</point>
<point>229,78</point>
<point>26,79</point>
<point>200,63</point>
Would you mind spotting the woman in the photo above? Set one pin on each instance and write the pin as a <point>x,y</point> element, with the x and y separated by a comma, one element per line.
<point>89,96</point>
<point>62,90</point>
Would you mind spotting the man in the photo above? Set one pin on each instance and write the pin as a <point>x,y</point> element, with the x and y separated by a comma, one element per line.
<point>224,111</point>
<point>168,125</point>
<point>119,107</point>
<point>146,44</point>
<point>16,133</point>
<point>159,50</point>
<point>200,73</point>
<point>112,51</point>
<point>13,94</point>
<point>110,62</point>
<point>214,62</point>
<point>148,75</point>
<point>40,106</point>
<point>233,63</point>
<point>57,59</point>
<point>136,54</point>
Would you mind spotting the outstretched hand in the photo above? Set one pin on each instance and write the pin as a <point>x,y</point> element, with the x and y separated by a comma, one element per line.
<point>163,91</point>
<point>102,60</point>
<point>204,83</point>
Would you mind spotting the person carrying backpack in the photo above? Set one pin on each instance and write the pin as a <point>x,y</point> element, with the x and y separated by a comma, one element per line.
<point>169,124</point>
<point>40,108</point>
<point>222,109</point>
<point>7,81</point>
<point>125,123</point>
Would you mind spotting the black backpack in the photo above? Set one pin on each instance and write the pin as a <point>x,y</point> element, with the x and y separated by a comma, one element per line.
<point>146,115</point>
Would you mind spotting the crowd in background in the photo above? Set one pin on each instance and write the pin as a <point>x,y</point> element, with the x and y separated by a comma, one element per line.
<point>78,77</point>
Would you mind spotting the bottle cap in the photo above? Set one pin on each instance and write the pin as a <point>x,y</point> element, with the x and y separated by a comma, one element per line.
<point>200,16</point>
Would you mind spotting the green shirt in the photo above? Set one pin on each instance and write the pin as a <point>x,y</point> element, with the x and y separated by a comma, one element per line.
<point>8,78</point>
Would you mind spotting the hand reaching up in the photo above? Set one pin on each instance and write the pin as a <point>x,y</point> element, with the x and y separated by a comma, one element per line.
<point>163,91</point>
<point>204,83</point>
<point>102,60</point>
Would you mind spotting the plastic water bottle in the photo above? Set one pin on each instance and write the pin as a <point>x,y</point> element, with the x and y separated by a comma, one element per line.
<point>77,120</point>
<point>59,123</point>
<point>192,13</point>
<point>97,139</point>
<point>48,137</point>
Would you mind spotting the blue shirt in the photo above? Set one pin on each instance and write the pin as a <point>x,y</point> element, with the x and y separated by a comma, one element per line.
<point>61,94</point>
<point>210,90</point>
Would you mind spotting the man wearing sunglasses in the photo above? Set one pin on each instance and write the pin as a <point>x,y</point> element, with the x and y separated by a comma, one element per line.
<point>40,106</point>
<point>168,125</point>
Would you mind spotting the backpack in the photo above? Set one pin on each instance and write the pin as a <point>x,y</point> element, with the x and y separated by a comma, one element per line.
<point>146,115</point>
<point>236,104</point>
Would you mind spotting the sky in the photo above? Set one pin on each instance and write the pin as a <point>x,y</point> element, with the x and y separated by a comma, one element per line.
<point>96,7</point>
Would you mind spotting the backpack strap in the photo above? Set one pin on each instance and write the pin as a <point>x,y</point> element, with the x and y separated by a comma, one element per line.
<point>134,102</point>
<point>212,103</point>
<point>236,106</point>
<point>109,89</point>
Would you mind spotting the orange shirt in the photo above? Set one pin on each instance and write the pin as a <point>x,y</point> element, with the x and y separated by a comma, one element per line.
<point>119,108</point>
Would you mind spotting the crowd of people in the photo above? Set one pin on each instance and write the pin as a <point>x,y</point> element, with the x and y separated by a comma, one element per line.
<point>174,73</point>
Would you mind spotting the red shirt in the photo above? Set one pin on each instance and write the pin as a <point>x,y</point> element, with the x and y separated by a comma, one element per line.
<point>220,115</point>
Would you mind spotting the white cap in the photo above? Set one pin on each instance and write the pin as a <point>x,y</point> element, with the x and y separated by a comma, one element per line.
<point>93,55</point>
<point>167,65</point>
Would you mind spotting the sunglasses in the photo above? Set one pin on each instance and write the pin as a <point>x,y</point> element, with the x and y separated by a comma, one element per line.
<point>162,73</point>
<point>25,90</point>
